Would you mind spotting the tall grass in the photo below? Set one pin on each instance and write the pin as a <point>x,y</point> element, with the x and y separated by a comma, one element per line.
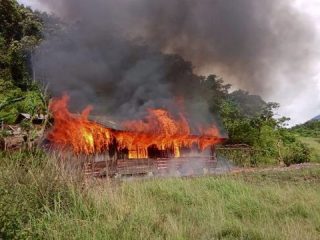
<point>39,201</point>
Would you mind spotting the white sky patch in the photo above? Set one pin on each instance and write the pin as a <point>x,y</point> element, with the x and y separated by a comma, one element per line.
<point>306,104</point>
<point>35,4</point>
<point>300,106</point>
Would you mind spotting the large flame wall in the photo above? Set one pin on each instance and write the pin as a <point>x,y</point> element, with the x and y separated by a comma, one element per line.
<point>159,128</point>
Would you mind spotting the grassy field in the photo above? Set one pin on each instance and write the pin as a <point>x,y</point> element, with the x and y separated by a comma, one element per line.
<point>39,201</point>
<point>314,145</point>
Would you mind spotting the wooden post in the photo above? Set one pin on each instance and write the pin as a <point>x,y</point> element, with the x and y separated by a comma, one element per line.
<point>213,152</point>
<point>5,144</point>
<point>137,151</point>
<point>106,157</point>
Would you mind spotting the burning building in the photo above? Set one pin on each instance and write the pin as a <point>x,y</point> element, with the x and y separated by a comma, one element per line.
<point>159,143</point>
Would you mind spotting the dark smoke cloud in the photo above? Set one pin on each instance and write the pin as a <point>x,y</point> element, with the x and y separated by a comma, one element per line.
<point>104,58</point>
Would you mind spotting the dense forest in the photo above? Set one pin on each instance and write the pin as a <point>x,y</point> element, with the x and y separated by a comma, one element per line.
<point>246,118</point>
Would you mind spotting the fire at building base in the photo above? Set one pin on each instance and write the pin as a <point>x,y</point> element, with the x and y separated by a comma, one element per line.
<point>156,163</point>
<point>157,145</point>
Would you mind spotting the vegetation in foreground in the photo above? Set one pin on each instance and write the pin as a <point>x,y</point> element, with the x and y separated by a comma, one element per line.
<point>38,201</point>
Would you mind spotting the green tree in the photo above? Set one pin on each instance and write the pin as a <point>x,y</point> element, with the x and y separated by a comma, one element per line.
<point>20,33</point>
<point>215,91</point>
<point>249,105</point>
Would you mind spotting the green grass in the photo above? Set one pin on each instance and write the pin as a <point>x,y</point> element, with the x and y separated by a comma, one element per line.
<point>314,144</point>
<point>38,201</point>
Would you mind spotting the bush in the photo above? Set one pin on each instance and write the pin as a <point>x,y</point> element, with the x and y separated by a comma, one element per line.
<point>239,157</point>
<point>296,153</point>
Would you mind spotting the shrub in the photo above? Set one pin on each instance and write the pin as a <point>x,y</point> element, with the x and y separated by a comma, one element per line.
<point>296,153</point>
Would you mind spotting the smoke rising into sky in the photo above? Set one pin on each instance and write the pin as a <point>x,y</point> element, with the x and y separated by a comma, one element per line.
<point>266,47</point>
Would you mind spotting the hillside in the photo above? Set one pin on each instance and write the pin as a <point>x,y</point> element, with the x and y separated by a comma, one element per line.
<point>317,118</point>
<point>308,129</point>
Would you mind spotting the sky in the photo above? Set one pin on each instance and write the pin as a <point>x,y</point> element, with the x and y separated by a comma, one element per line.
<point>306,102</point>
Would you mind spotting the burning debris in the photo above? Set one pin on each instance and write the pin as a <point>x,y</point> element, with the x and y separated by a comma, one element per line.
<point>26,132</point>
<point>159,136</point>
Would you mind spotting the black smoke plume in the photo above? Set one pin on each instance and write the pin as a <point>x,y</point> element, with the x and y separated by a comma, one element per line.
<point>112,52</point>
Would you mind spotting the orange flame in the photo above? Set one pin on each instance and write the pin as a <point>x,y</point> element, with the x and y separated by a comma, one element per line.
<point>159,129</point>
<point>76,131</point>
